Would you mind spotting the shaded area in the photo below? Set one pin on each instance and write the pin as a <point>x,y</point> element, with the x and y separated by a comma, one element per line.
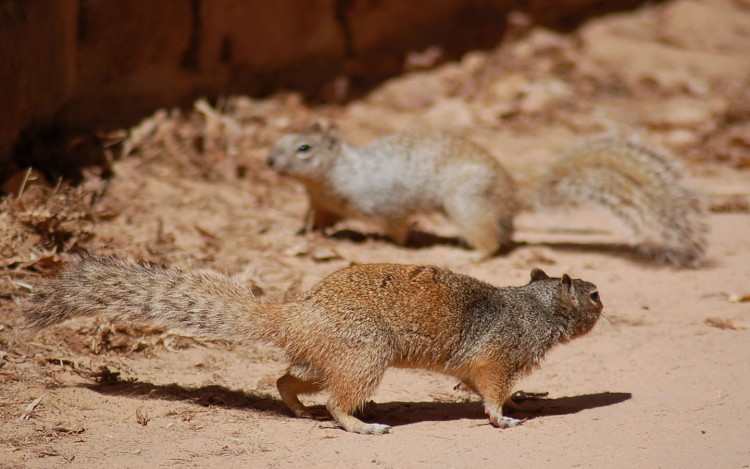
<point>213,395</point>
<point>621,250</point>
<point>404,413</point>
<point>391,413</point>
<point>417,239</point>
<point>423,240</point>
<point>79,68</point>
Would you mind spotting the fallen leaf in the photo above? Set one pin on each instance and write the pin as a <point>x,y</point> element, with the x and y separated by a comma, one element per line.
<point>738,298</point>
<point>724,324</point>
<point>30,408</point>
<point>297,250</point>
<point>141,416</point>
<point>325,254</point>
<point>65,427</point>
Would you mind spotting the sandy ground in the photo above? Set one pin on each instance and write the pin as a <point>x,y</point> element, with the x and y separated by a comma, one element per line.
<point>663,382</point>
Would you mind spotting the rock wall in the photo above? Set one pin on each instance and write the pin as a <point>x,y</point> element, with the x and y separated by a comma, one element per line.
<point>87,65</point>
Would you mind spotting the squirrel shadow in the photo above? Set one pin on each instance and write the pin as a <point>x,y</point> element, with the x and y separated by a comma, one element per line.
<point>624,251</point>
<point>417,239</point>
<point>421,239</point>
<point>390,413</point>
<point>405,413</point>
<point>212,395</point>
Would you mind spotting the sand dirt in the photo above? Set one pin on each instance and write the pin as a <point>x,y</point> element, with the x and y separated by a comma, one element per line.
<point>664,382</point>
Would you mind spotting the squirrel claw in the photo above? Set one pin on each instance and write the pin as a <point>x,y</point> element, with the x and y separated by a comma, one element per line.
<point>379,428</point>
<point>304,414</point>
<point>505,422</point>
<point>370,428</point>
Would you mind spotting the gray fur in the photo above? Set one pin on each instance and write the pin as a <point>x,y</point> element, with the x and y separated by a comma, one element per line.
<point>399,175</point>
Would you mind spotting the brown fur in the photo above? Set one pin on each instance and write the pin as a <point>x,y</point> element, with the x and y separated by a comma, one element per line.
<point>344,333</point>
<point>402,174</point>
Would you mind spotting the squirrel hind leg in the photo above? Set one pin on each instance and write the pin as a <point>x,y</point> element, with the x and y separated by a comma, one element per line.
<point>290,387</point>
<point>352,424</point>
<point>480,228</point>
<point>349,392</point>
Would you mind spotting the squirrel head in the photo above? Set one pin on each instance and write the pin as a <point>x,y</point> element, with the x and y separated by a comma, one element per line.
<point>305,155</point>
<point>576,302</point>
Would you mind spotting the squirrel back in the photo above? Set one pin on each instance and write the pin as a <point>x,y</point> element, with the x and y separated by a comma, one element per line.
<point>398,175</point>
<point>428,317</point>
<point>344,333</point>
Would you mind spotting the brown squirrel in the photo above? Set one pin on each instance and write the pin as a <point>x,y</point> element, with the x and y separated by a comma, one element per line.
<point>344,333</point>
<point>399,175</point>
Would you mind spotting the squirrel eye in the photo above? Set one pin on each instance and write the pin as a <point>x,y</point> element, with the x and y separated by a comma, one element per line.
<point>595,297</point>
<point>304,148</point>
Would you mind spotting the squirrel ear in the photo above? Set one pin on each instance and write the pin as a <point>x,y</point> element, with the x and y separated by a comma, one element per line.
<point>567,282</point>
<point>538,274</point>
<point>315,127</point>
<point>331,136</point>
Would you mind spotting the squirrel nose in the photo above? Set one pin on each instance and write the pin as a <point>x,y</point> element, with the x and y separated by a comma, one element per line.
<point>270,160</point>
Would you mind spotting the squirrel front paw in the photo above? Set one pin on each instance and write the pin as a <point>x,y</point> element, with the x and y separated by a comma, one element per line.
<point>505,422</point>
<point>497,419</point>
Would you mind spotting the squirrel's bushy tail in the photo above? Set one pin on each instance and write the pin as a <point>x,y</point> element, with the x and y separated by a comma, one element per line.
<point>640,187</point>
<point>205,303</point>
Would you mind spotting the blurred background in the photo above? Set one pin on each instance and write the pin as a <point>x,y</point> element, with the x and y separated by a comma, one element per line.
<point>80,67</point>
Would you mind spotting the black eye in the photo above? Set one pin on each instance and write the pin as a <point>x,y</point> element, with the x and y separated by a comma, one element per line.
<point>595,297</point>
<point>304,148</point>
